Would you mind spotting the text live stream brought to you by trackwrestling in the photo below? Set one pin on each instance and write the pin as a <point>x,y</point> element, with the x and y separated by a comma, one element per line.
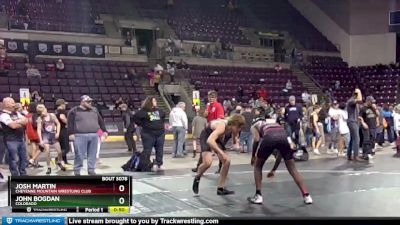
<point>106,220</point>
<point>10,220</point>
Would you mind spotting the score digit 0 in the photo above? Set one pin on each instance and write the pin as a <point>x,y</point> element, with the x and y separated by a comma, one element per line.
<point>121,200</point>
<point>121,188</point>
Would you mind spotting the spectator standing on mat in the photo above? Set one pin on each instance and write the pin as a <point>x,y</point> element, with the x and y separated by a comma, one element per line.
<point>388,115</point>
<point>179,122</point>
<point>2,146</point>
<point>13,124</point>
<point>334,115</point>
<point>353,110</point>
<point>293,116</point>
<point>2,143</point>
<point>61,114</point>
<point>129,127</point>
<point>245,135</point>
<point>151,119</point>
<point>198,124</point>
<point>369,123</point>
<point>396,124</point>
<point>84,121</point>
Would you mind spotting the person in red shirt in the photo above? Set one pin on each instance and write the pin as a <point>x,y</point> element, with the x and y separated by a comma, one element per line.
<point>214,111</point>
<point>262,93</point>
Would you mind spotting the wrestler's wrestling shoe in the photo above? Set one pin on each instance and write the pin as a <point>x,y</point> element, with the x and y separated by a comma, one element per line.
<point>257,199</point>
<point>307,199</point>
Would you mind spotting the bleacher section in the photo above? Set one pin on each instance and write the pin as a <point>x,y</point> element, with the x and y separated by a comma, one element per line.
<point>379,81</point>
<point>281,16</point>
<point>70,16</point>
<point>207,20</point>
<point>228,80</point>
<point>103,80</point>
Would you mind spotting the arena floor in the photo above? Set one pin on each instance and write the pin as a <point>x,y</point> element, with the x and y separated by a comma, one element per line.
<point>339,188</point>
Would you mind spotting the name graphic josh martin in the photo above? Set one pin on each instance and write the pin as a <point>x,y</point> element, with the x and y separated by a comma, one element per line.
<point>36,186</point>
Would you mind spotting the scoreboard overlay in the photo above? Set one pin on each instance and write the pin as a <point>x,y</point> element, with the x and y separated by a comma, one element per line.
<point>90,194</point>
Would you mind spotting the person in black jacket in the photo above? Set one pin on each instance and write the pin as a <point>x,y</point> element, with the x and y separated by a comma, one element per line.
<point>293,116</point>
<point>61,114</point>
<point>2,143</point>
<point>151,119</point>
<point>3,149</point>
<point>129,127</point>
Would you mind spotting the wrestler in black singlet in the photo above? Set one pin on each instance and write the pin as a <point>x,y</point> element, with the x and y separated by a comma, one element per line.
<point>273,137</point>
<point>205,134</point>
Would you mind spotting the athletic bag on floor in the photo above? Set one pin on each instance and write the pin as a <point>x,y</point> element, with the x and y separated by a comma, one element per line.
<point>139,162</point>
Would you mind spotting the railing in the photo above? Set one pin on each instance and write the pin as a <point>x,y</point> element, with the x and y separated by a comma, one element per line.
<point>311,78</point>
<point>186,97</point>
<point>91,28</point>
<point>324,96</point>
<point>166,97</point>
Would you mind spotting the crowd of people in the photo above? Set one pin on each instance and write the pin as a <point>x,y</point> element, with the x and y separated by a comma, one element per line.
<point>354,129</point>
<point>218,49</point>
<point>158,74</point>
<point>345,123</point>
<point>81,129</point>
<point>267,136</point>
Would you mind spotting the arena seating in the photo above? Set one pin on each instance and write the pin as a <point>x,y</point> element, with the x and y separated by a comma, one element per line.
<point>205,20</point>
<point>281,16</point>
<point>379,81</point>
<point>191,20</point>
<point>228,80</point>
<point>103,81</point>
<point>69,16</point>
<point>216,20</point>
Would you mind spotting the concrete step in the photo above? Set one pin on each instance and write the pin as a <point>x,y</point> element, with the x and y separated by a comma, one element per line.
<point>308,83</point>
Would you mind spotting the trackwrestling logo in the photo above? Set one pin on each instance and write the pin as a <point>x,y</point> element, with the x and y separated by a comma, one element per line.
<point>33,220</point>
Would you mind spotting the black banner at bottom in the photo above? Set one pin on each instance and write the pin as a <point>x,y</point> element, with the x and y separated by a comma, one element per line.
<point>228,221</point>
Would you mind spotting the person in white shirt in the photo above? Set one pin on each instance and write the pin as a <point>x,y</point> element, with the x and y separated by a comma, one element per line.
<point>32,72</point>
<point>171,71</point>
<point>289,86</point>
<point>60,65</point>
<point>158,68</point>
<point>334,114</point>
<point>179,122</point>
<point>396,118</point>
<point>13,125</point>
<point>306,97</point>
<point>344,130</point>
